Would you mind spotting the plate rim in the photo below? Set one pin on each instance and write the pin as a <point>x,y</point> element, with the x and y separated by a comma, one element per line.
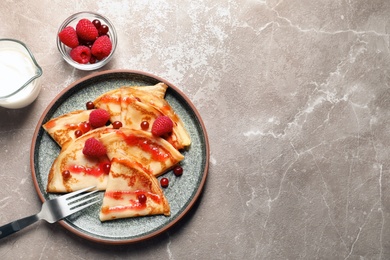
<point>168,225</point>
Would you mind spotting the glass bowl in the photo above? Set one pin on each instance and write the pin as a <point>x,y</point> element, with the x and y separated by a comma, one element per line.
<point>19,75</point>
<point>72,21</point>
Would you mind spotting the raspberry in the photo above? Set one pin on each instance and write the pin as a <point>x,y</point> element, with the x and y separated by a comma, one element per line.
<point>98,118</point>
<point>94,148</point>
<point>86,30</point>
<point>80,54</point>
<point>162,125</point>
<point>68,36</point>
<point>101,48</point>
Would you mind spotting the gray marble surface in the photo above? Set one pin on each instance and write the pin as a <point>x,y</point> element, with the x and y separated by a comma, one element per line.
<point>295,97</point>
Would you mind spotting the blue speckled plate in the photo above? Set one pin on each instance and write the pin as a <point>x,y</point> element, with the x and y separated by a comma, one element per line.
<point>182,191</point>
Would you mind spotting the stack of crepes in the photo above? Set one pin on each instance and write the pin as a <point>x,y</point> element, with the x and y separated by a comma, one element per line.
<point>135,157</point>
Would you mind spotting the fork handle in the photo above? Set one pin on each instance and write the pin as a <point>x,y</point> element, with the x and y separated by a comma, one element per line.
<point>17,225</point>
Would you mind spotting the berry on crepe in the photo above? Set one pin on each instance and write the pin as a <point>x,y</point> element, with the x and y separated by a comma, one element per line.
<point>94,148</point>
<point>162,125</point>
<point>99,117</point>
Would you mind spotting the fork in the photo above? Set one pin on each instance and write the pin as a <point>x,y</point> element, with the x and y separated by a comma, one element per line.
<point>54,210</point>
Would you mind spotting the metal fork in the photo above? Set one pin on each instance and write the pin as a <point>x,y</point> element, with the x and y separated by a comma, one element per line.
<point>54,210</point>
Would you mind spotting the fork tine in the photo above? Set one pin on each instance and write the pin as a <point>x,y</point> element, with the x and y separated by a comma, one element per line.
<point>71,211</point>
<point>75,198</point>
<point>78,203</point>
<point>72,194</point>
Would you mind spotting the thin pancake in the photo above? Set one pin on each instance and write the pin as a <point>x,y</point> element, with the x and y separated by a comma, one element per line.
<point>158,90</point>
<point>126,183</point>
<point>154,154</point>
<point>72,170</point>
<point>62,128</point>
<point>138,105</point>
<point>134,112</point>
<point>111,102</point>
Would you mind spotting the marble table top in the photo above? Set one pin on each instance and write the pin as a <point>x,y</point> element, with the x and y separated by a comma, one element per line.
<point>295,97</point>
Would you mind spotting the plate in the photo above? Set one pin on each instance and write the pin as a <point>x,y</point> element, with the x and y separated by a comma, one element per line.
<point>182,192</point>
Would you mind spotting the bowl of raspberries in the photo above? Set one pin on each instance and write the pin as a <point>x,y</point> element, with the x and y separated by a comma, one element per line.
<point>87,40</point>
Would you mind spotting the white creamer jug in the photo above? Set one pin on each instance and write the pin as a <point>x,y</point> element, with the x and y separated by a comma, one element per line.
<point>19,75</point>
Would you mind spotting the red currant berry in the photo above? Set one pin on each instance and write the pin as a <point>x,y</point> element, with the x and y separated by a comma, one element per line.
<point>88,44</point>
<point>92,60</point>
<point>117,124</point>
<point>141,198</point>
<point>96,23</point>
<point>73,126</point>
<point>90,105</point>
<point>85,127</point>
<point>78,133</point>
<point>144,125</point>
<point>164,182</point>
<point>117,195</point>
<point>178,170</point>
<point>66,175</point>
<point>106,167</point>
<point>103,30</point>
